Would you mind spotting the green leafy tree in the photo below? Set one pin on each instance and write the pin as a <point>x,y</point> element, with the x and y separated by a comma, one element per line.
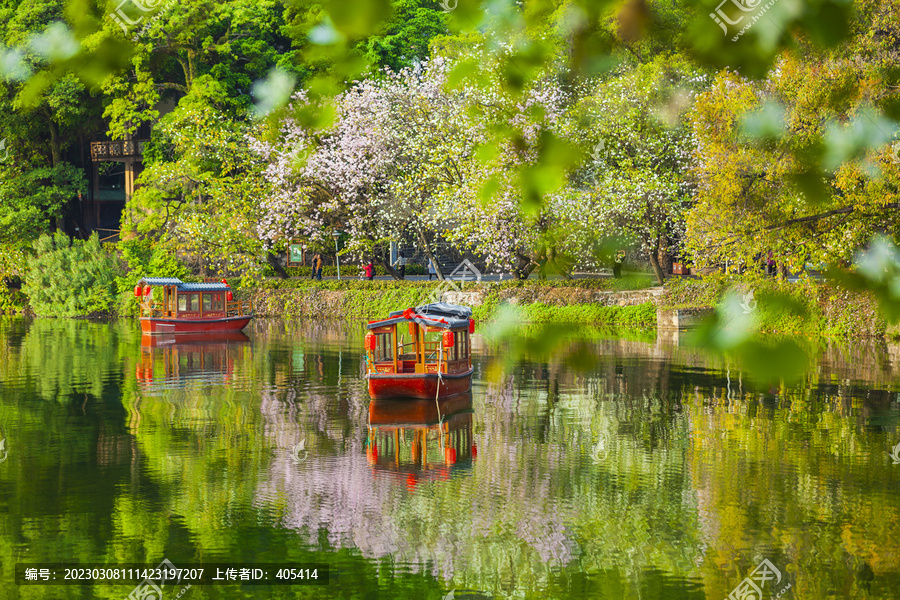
<point>404,40</point>
<point>67,278</point>
<point>196,194</point>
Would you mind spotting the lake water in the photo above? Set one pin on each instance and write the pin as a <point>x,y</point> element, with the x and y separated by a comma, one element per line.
<point>651,471</point>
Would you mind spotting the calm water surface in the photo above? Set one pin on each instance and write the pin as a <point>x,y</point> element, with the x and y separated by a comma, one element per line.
<point>653,472</point>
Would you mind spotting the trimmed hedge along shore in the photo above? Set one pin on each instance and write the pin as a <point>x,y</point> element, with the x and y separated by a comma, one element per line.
<point>539,302</point>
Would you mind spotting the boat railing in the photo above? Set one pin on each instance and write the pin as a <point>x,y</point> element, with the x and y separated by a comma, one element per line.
<point>431,350</point>
<point>153,309</point>
<point>239,308</point>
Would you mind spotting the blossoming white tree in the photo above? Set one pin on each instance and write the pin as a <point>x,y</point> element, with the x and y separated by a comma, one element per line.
<point>502,174</point>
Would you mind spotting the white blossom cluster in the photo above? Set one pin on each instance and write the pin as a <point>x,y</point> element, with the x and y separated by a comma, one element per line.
<point>408,155</point>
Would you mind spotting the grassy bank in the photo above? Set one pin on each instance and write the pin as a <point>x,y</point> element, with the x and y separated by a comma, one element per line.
<point>809,308</point>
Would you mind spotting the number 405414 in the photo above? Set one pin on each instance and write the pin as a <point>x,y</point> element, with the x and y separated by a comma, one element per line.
<point>297,574</point>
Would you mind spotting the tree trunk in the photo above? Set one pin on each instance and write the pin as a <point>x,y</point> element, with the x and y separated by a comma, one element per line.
<point>55,148</point>
<point>387,267</point>
<point>525,267</point>
<point>272,259</point>
<point>654,262</point>
<point>429,254</point>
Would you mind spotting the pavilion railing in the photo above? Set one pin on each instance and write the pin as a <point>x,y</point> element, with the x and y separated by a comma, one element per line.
<point>117,149</point>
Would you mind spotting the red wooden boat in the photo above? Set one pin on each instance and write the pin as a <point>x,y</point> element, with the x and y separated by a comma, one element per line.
<point>171,306</point>
<point>420,353</point>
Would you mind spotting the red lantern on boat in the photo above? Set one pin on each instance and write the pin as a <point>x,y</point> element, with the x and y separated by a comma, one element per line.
<point>229,296</point>
<point>225,282</point>
<point>146,290</point>
<point>137,291</point>
<point>471,326</point>
<point>448,339</point>
<point>370,341</point>
<point>474,451</point>
<point>412,328</point>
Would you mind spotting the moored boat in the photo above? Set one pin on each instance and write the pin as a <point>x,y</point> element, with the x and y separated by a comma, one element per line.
<point>420,353</point>
<point>170,306</point>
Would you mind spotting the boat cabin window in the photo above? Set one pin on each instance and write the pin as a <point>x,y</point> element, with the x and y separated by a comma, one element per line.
<point>207,302</point>
<point>188,302</point>
<point>384,349</point>
<point>170,299</point>
<point>218,301</point>
<point>460,350</point>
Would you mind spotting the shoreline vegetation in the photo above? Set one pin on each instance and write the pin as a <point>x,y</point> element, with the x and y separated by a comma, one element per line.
<point>816,309</point>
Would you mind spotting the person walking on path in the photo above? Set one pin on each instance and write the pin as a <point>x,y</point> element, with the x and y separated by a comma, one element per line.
<point>370,270</point>
<point>314,265</point>
<point>318,263</point>
<point>401,264</point>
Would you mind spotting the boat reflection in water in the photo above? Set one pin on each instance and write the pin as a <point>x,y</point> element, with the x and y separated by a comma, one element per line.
<point>171,361</point>
<point>421,440</point>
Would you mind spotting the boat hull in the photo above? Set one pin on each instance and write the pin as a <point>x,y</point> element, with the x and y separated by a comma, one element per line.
<point>162,326</point>
<point>418,386</point>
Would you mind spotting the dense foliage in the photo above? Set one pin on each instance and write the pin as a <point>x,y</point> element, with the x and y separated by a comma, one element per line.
<point>67,278</point>
<point>553,134</point>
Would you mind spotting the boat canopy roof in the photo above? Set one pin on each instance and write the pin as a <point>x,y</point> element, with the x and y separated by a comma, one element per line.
<point>183,286</point>
<point>436,314</point>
